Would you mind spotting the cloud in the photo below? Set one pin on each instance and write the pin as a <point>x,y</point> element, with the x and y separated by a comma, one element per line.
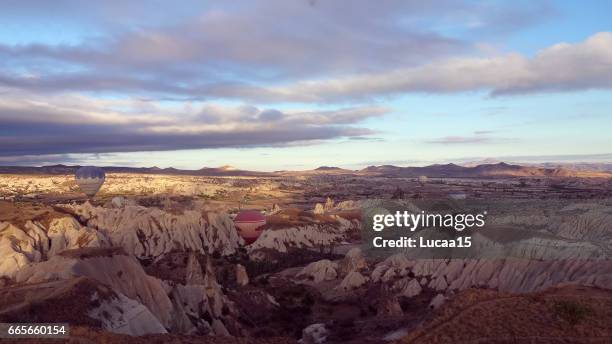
<point>77,124</point>
<point>37,160</point>
<point>561,67</point>
<point>531,159</point>
<point>256,51</point>
<point>476,139</point>
<point>75,159</point>
<point>137,76</point>
<point>601,158</point>
<point>262,39</point>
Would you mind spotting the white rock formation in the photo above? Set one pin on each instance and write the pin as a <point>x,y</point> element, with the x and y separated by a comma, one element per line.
<point>34,242</point>
<point>314,334</point>
<point>143,232</point>
<point>396,335</point>
<point>242,278</point>
<point>322,270</point>
<point>390,307</point>
<point>392,268</point>
<point>82,300</point>
<point>437,301</point>
<point>18,248</point>
<point>120,202</point>
<point>120,272</point>
<point>511,275</point>
<point>151,232</point>
<point>120,314</point>
<point>201,298</point>
<point>275,209</point>
<point>66,233</point>
<point>306,236</point>
<point>181,308</point>
<point>318,209</point>
<point>352,281</point>
<point>408,287</point>
<point>372,203</point>
<point>353,261</point>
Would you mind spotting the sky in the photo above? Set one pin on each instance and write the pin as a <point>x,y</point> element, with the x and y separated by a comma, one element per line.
<point>297,84</point>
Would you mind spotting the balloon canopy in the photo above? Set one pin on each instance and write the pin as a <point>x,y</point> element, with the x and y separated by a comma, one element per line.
<point>250,224</point>
<point>89,179</point>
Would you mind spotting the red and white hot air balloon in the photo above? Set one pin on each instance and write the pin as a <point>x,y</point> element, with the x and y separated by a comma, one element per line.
<point>250,224</point>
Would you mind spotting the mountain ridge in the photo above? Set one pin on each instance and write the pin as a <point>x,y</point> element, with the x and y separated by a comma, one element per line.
<point>450,170</point>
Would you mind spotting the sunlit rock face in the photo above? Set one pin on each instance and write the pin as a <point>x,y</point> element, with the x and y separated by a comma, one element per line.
<point>121,272</point>
<point>120,314</point>
<point>151,232</point>
<point>307,235</point>
<point>28,186</point>
<point>314,334</point>
<point>135,184</point>
<point>511,275</point>
<point>79,301</point>
<point>322,270</point>
<point>66,233</point>
<point>405,277</point>
<point>103,244</point>
<point>34,242</point>
<point>198,305</point>
<point>143,232</point>
<point>351,281</point>
<point>587,221</point>
<point>346,270</point>
<point>18,247</point>
<point>353,261</point>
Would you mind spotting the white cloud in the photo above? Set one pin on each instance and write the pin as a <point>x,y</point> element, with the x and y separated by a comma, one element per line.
<point>263,51</point>
<point>564,66</point>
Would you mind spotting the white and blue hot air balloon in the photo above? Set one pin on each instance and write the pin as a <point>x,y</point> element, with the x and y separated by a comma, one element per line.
<point>89,179</point>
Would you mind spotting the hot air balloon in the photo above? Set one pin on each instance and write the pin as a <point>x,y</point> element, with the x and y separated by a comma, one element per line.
<point>250,224</point>
<point>89,179</point>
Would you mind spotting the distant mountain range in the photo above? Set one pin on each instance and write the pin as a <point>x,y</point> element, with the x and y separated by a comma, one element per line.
<point>484,170</point>
<point>500,169</point>
<point>64,169</point>
<point>575,166</point>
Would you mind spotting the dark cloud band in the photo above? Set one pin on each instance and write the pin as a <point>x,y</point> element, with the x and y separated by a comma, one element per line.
<point>36,129</point>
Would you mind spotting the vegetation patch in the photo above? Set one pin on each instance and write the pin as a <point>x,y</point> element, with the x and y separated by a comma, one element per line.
<point>572,312</point>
